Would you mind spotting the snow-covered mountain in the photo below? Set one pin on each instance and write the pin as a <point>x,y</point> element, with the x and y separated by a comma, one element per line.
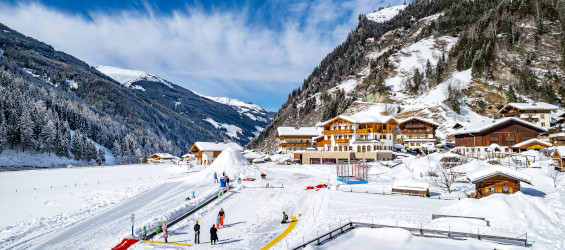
<point>445,60</point>
<point>128,76</point>
<point>243,128</point>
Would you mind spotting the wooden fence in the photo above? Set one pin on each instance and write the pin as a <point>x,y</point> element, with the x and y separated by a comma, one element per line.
<point>522,240</point>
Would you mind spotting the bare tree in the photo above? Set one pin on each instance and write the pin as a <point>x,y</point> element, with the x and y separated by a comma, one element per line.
<point>555,176</point>
<point>444,177</point>
<point>410,168</point>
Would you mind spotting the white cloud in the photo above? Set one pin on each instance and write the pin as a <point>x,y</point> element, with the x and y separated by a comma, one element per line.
<point>211,52</point>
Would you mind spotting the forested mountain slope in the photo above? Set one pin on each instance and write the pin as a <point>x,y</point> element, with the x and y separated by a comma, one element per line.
<point>51,102</point>
<point>449,60</point>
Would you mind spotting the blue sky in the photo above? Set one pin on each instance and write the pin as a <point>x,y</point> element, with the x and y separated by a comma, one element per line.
<point>256,51</point>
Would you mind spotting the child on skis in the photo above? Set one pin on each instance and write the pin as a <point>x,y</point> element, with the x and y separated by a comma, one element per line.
<point>193,195</point>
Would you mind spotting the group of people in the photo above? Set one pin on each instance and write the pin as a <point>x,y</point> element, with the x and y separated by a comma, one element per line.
<point>213,229</point>
<point>225,178</point>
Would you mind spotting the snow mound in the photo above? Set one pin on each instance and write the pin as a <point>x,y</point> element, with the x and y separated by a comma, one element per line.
<point>234,164</point>
<point>505,210</point>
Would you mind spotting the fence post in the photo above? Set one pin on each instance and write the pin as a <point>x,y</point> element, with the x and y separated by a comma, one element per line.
<point>526,242</point>
<point>421,230</point>
<point>478,234</point>
<point>449,232</point>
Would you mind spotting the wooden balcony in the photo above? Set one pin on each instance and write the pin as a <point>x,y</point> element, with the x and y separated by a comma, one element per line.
<point>335,132</point>
<point>295,144</point>
<point>366,130</point>
<point>324,142</point>
<point>342,141</point>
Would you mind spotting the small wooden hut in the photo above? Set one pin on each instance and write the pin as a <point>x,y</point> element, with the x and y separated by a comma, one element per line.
<point>497,179</point>
<point>411,188</point>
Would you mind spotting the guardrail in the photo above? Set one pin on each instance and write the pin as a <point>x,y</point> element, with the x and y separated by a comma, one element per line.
<point>328,235</point>
<point>183,216</point>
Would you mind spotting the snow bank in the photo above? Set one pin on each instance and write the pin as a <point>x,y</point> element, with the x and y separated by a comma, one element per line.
<point>234,164</point>
<point>411,185</point>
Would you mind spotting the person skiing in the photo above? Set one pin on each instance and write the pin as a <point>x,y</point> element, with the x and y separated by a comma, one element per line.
<point>144,233</point>
<point>196,233</point>
<point>215,177</point>
<point>220,194</point>
<point>159,229</point>
<point>193,194</point>
<point>221,214</point>
<point>239,180</point>
<point>213,235</point>
<point>218,222</point>
<point>285,218</point>
<point>227,180</point>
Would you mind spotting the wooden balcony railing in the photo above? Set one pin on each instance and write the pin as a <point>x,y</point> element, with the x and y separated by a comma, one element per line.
<point>334,132</point>
<point>324,142</point>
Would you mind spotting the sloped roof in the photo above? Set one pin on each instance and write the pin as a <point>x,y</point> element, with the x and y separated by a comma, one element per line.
<point>164,155</point>
<point>420,119</point>
<point>560,150</point>
<point>216,146</point>
<point>361,117</point>
<point>557,135</point>
<point>472,129</point>
<point>483,173</point>
<point>411,185</point>
<point>517,145</point>
<point>530,106</point>
<point>298,131</point>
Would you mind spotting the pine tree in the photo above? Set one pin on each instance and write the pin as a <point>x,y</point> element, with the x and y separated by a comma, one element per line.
<point>26,130</point>
<point>48,136</point>
<point>511,95</point>
<point>101,156</point>
<point>3,133</point>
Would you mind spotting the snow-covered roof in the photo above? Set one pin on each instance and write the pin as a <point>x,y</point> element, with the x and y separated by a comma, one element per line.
<point>530,106</point>
<point>253,155</point>
<point>164,155</point>
<point>188,155</point>
<point>385,14</point>
<point>478,129</point>
<point>411,185</point>
<point>420,119</point>
<point>298,131</point>
<point>217,146</point>
<point>560,150</point>
<point>421,139</point>
<point>361,117</point>
<point>557,135</point>
<point>487,172</point>
<point>517,145</point>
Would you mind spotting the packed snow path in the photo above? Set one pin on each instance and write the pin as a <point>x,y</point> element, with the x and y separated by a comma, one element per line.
<point>109,222</point>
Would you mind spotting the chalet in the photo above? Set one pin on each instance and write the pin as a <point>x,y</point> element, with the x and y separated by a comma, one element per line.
<point>411,188</point>
<point>188,157</point>
<point>417,132</point>
<point>161,157</point>
<point>504,133</point>
<point>206,152</point>
<point>360,136</point>
<point>537,113</point>
<point>534,144</point>
<point>558,156</point>
<point>497,179</point>
<point>557,139</point>
<point>291,139</point>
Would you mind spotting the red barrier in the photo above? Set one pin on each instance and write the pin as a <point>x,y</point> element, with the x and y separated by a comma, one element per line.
<point>125,244</point>
<point>321,186</point>
<point>309,187</point>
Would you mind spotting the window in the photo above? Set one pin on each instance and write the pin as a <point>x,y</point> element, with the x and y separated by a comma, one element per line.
<point>350,148</point>
<point>510,138</point>
<point>494,138</point>
<point>505,190</point>
<point>328,161</point>
<point>543,124</point>
<point>491,190</point>
<point>314,160</point>
<point>358,148</point>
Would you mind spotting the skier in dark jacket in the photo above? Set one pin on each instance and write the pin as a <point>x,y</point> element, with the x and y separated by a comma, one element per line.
<point>213,235</point>
<point>196,233</point>
<point>285,218</point>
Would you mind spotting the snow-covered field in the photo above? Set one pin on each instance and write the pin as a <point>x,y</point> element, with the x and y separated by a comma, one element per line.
<point>97,216</point>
